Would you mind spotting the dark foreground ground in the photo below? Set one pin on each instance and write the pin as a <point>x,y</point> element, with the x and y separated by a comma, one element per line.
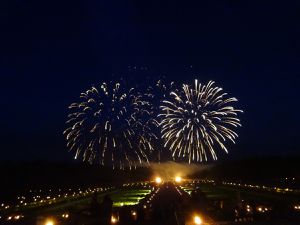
<point>185,203</point>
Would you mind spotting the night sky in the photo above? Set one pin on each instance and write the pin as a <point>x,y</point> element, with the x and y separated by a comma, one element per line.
<point>50,51</point>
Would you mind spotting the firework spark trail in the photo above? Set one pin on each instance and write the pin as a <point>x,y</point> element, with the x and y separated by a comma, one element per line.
<point>196,119</point>
<point>108,126</point>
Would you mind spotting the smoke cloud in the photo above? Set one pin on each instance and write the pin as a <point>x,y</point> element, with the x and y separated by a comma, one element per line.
<point>168,170</point>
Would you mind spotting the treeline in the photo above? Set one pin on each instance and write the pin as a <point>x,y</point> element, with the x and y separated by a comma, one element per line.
<point>17,177</point>
<point>265,170</point>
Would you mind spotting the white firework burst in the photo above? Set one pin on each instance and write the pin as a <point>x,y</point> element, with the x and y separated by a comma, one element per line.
<point>108,126</point>
<point>196,119</point>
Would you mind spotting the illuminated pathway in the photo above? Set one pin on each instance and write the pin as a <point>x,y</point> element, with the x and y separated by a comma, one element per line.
<point>172,205</point>
<point>166,203</point>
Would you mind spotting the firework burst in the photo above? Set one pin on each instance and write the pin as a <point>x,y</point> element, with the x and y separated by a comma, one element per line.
<point>196,119</point>
<point>108,126</point>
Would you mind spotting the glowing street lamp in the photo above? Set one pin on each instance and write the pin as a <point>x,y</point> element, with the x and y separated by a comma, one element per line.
<point>65,215</point>
<point>158,180</point>
<point>113,220</point>
<point>134,214</point>
<point>49,222</point>
<point>197,220</point>
<point>178,179</point>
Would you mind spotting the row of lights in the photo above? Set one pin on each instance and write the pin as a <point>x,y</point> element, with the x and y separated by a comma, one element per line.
<point>260,209</point>
<point>47,199</point>
<point>263,209</point>
<point>37,200</point>
<point>144,184</point>
<point>47,221</point>
<point>15,217</point>
<point>277,189</point>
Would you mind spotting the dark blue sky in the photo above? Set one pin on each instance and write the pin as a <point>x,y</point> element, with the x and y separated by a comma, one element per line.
<point>52,50</point>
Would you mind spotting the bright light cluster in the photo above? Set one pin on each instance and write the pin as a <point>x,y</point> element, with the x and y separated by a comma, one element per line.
<point>178,179</point>
<point>158,180</point>
<point>263,209</point>
<point>197,220</point>
<point>297,207</point>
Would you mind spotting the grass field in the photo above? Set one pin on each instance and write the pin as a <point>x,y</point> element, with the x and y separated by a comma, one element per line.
<point>122,196</point>
<point>228,192</point>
